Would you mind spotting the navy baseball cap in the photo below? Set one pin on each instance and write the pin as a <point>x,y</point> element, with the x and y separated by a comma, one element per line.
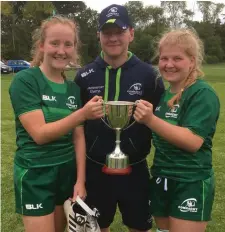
<point>115,14</point>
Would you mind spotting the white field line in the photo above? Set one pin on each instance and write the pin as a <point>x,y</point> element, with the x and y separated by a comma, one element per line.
<point>217,68</point>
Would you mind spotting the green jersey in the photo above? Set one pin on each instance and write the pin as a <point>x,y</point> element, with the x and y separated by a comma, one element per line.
<point>198,110</point>
<point>30,90</point>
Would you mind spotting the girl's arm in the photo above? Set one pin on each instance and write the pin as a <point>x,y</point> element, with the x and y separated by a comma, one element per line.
<point>42,132</point>
<point>80,150</point>
<point>179,136</point>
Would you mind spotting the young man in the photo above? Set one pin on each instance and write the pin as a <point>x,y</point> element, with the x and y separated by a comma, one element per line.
<point>118,75</point>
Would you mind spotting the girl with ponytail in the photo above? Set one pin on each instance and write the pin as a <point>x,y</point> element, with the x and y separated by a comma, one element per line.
<point>183,126</point>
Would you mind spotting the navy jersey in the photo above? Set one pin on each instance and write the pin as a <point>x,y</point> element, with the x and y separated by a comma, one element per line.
<point>134,80</point>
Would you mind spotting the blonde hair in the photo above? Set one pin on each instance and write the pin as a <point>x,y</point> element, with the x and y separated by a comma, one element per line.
<point>39,36</point>
<point>189,41</point>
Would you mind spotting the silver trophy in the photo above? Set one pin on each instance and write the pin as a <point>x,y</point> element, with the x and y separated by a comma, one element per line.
<point>117,115</point>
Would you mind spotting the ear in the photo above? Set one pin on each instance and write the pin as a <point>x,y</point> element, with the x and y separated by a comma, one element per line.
<point>131,31</point>
<point>98,36</point>
<point>193,60</point>
<point>41,47</point>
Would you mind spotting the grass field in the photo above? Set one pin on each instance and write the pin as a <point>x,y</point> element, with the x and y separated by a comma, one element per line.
<point>214,74</point>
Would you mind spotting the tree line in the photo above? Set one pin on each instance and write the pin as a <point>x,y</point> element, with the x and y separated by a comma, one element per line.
<point>20,18</point>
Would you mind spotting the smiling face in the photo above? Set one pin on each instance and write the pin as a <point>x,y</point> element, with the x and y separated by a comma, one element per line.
<point>59,46</point>
<point>174,64</point>
<point>115,41</point>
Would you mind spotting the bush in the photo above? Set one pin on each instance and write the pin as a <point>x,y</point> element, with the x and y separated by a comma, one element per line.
<point>211,59</point>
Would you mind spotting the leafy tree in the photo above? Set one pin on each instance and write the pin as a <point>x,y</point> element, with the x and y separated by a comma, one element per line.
<point>175,11</point>
<point>210,11</point>
<point>142,46</point>
<point>11,17</point>
<point>213,47</point>
<point>20,18</point>
<point>138,13</point>
<point>35,12</point>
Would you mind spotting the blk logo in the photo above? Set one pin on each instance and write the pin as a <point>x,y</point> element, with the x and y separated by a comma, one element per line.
<point>34,206</point>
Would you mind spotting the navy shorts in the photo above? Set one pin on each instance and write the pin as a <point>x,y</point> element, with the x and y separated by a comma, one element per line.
<point>131,193</point>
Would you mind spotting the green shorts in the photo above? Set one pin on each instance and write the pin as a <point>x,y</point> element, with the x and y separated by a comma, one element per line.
<point>184,200</point>
<point>39,190</point>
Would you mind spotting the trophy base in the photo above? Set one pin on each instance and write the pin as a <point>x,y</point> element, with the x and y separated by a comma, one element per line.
<point>116,171</point>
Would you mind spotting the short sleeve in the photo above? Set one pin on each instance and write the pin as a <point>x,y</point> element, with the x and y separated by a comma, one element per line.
<point>24,94</point>
<point>202,112</point>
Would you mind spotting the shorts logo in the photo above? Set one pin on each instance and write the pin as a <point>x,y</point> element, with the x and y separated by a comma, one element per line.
<point>158,180</point>
<point>135,89</point>
<point>157,108</point>
<point>71,103</point>
<point>31,206</point>
<point>188,206</point>
<point>150,220</point>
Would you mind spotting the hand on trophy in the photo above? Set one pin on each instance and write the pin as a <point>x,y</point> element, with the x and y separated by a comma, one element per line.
<point>143,112</point>
<point>94,108</point>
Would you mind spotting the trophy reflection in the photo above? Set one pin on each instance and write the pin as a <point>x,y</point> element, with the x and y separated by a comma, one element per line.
<point>118,114</point>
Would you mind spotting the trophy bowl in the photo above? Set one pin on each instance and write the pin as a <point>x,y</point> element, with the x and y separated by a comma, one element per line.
<point>118,115</point>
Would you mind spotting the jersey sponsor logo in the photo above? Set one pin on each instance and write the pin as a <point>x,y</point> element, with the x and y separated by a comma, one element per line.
<point>188,206</point>
<point>84,74</point>
<point>95,89</point>
<point>71,103</point>
<point>135,89</point>
<point>173,112</point>
<point>34,206</point>
<point>48,98</point>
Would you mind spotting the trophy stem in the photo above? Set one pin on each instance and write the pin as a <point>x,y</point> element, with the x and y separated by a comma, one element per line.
<point>117,148</point>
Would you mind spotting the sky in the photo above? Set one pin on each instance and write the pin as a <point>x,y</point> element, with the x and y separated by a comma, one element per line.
<point>100,5</point>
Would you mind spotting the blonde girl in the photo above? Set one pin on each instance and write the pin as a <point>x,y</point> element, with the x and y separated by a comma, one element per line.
<point>183,126</point>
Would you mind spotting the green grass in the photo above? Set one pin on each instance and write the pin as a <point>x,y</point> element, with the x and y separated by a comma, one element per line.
<point>214,74</point>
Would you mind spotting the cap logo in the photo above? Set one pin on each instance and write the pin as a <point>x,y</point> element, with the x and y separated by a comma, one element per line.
<point>112,12</point>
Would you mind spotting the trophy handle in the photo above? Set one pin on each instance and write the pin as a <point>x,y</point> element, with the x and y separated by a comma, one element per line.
<point>135,103</point>
<point>129,125</point>
<point>103,103</point>
<point>106,123</point>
